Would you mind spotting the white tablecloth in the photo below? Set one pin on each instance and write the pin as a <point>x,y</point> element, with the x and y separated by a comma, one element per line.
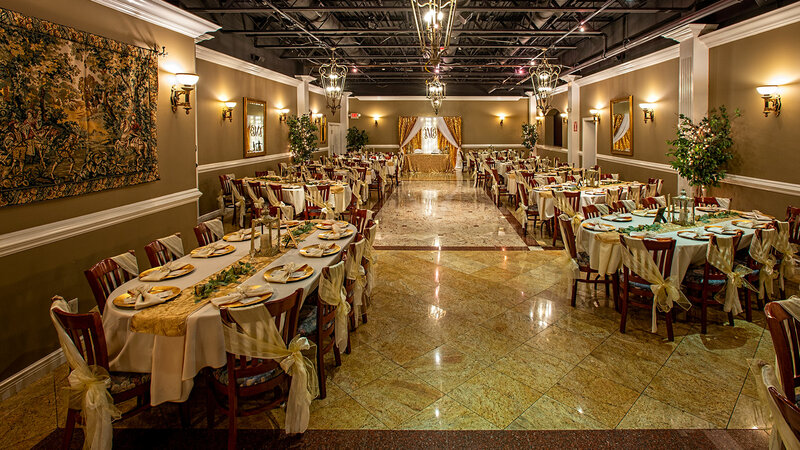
<point>296,197</point>
<point>174,361</point>
<point>547,206</point>
<point>605,257</point>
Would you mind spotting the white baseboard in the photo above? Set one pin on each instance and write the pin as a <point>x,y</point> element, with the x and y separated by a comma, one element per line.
<point>29,375</point>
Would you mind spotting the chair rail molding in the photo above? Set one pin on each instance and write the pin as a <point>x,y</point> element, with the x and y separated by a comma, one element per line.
<point>222,165</point>
<point>21,240</point>
<point>780,187</point>
<point>164,15</point>
<point>455,98</point>
<point>213,56</point>
<point>638,163</point>
<point>491,145</point>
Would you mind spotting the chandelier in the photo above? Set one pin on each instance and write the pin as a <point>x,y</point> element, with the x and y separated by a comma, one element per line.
<point>434,21</point>
<point>434,90</point>
<point>332,76</point>
<point>544,78</point>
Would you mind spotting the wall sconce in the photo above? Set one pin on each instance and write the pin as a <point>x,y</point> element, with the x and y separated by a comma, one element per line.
<point>227,110</point>
<point>595,114</point>
<point>649,111</point>
<point>376,119</point>
<point>772,99</point>
<point>502,118</point>
<point>184,84</point>
<point>317,117</point>
<point>563,117</point>
<point>539,119</point>
<point>283,113</point>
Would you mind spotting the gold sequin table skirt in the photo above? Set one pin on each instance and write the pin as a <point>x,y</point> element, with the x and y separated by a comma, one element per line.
<point>417,162</point>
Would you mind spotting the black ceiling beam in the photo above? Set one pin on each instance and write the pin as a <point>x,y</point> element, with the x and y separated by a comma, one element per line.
<point>405,9</point>
<point>361,32</point>
<point>410,46</point>
<point>417,57</point>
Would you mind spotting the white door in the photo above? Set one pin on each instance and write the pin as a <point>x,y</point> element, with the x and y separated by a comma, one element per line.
<point>589,142</point>
<point>335,146</point>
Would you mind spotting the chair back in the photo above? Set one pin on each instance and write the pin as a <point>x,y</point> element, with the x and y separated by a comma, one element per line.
<point>793,217</point>
<point>326,316</point>
<point>362,173</point>
<point>706,201</point>
<point>258,189</point>
<point>158,254</point>
<point>262,173</point>
<point>277,189</point>
<point>329,172</point>
<point>650,203</point>
<point>359,219</point>
<point>785,332</point>
<point>551,180</point>
<point>225,184</point>
<point>522,194</point>
<point>591,211</point>
<point>324,193</point>
<point>712,273</point>
<point>662,253</point>
<point>104,277</point>
<point>788,409</point>
<point>618,206</point>
<point>86,332</point>
<point>204,235</point>
<point>574,199</point>
<point>568,235</point>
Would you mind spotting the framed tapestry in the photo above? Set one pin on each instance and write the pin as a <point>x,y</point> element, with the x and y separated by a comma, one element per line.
<point>622,126</point>
<point>322,130</point>
<point>255,117</point>
<point>78,111</point>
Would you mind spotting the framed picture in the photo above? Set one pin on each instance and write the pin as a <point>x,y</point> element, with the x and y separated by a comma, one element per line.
<point>255,119</point>
<point>622,126</point>
<point>322,130</point>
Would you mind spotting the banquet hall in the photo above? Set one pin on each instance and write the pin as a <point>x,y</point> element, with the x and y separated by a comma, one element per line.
<point>399,224</point>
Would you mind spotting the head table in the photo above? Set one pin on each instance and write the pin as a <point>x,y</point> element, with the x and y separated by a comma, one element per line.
<point>294,194</point>
<point>174,358</point>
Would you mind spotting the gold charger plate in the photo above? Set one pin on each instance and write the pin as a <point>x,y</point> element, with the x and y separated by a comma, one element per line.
<point>617,219</point>
<point>229,237</point>
<point>691,235</point>
<point>327,235</point>
<point>239,304</point>
<point>591,226</point>
<point>306,269</point>
<point>329,225</point>
<point>739,223</point>
<point>220,252</point>
<point>719,229</point>
<point>186,269</point>
<point>290,223</point>
<point>174,292</point>
<point>645,212</point>
<point>332,251</point>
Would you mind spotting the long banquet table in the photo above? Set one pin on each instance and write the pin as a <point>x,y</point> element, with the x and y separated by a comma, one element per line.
<point>421,162</point>
<point>174,361</point>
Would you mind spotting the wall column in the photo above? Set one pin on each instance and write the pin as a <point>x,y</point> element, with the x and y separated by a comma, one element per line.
<point>344,120</point>
<point>302,93</point>
<point>573,117</point>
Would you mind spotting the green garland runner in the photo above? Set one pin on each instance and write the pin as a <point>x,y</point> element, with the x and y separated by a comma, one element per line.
<point>224,278</point>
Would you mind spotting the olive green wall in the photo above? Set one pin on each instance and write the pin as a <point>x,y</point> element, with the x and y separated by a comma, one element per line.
<point>317,102</point>
<point>480,123</point>
<point>30,278</point>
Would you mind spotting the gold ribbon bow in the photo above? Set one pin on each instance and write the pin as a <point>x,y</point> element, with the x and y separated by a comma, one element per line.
<point>666,294</point>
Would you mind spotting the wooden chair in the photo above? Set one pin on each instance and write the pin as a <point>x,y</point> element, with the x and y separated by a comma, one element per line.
<point>104,277</point>
<point>591,211</point>
<point>574,199</point>
<point>650,203</point>
<point>789,410</point>
<point>706,201</point>
<point>636,290</point>
<point>312,211</point>
<point>204,235</point>
<point>618,206</point>
<point>227,195</point>
<point>243,377</point>
<point>262,173</point>
<point>582,259</point>
<point>158,254</point>
<point>531,211</point>
<point>703,282</point>
<point>376,185</point>
<point>362,173</point>
<point>239,186</point>
<point>551,180</point>
<point>785,332</point>
<point>480,176</point>
<point>86,332</point>
<point>349,286</point>
<point>793,217</point>
<point>359,219</point>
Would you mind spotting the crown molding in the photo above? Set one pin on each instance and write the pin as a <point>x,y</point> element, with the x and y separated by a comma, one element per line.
<point>420,98</point>
<point>652,59</point>
<point>213,56</point>
<point>222,165</point>
<point>21,240</point>
<point>164,15</point>
<point>316,89</point>
<point>760,24</point>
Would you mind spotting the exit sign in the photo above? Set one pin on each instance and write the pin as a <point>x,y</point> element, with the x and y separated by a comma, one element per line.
<point>355,115</point>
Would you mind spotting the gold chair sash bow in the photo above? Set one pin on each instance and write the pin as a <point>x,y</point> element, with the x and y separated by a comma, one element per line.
<point>721,257</point>
<point>241,205</point>
<point>355,271</point>
<point>371,257</point>
<point>785,248</point>
<point>666,293</point>
<point>260,338</point>
<point>332,292</point>
<point>88,388</point>
<point>612,195</point>
<point>286,210</point>
<point>328,209</point>
<point>761,252</point>
<point>573,269</point>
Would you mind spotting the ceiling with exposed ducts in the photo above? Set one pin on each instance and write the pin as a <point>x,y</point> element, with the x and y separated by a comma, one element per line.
<point>493,42</point>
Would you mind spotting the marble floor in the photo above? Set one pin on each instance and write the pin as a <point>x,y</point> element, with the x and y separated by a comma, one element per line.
<point>486,340</point>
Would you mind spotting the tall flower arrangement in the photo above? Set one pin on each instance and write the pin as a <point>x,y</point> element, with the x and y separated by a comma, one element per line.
<point>302,137</point>
<point>701,151</point>
<point>529,136</point>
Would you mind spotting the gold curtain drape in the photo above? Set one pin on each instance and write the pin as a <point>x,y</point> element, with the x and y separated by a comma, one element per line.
<point>405,125</point>
<point>624,143</point>
<point>454,125</point>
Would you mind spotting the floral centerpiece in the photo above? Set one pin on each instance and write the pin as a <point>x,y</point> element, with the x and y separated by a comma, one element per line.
<point>302,137</point>
<point>702,151</point>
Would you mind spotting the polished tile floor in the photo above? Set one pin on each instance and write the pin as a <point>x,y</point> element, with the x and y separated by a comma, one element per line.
<point>486,339</point>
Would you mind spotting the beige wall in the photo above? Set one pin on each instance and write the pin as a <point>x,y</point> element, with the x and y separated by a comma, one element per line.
<point>318,103</point>
<point>31,277</point>
<point>480,123</point>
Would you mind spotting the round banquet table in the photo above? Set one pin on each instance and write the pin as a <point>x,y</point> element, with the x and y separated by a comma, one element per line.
<point>296,196</point>
<point>174,361</point>
<point>605,257</point>
<point>546,202</point>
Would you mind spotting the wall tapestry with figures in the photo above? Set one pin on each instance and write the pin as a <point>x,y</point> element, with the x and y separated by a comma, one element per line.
<point>77,111</point>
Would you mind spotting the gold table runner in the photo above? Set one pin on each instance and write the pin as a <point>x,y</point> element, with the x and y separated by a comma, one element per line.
<point>421,162</point>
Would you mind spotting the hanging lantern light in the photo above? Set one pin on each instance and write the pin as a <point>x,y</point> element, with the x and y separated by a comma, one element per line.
<point>435,91</point>
<point>332,76</point>
<point>544,77</point>
<point>434,21</point>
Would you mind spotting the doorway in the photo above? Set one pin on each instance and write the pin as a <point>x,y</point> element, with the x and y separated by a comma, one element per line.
<point>558,134</point>
<point>589,142</point>
<point>334,139</point>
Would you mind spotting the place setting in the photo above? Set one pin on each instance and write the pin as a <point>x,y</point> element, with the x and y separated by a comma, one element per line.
<point>320,250</point>
<point>241,235</point>
<point>288,273</point>
<point>143,296</point>
<point>170,270</point>
<point>213,250</point>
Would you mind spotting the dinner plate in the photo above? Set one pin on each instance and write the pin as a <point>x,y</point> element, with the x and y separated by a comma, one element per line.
<point>301,274</point>
<point>709,209</point>
<point>594,226</point>
<point>227,250</point>
<point>327,225</point>
<point>719,229</point>
<point>290,223</point>
<point>686,234</point>
<point>741,223</point>
<point>248,301</point>
<point>328,235</point>
<point>166,292</point>
<point>231,238</point>
<point>617,218</point>
<point>186,269</point>
<point>760,218</point>
<point>332,251</point>
<point>645,212</point>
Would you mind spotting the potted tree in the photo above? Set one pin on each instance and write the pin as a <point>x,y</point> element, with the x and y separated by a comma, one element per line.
<point>529,136</point>
<point>302,138</point>
<point>356,139</point>
<point>701,151</point>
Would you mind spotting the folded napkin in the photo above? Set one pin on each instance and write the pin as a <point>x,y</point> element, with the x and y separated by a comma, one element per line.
<point>208,250</point>
<point>241,235</point>
<point>757,215</point>
<point>320,249</point>
<point>163,271</point>
<point>602,227</point>
<point>140,297</point>
<point>746,224</point>
<point>243,294</point>
<point>642,234</point>
<point>336,229</point>
<point>282,275</point>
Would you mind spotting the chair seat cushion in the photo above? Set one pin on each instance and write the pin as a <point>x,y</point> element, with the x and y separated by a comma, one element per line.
<point>307,322</point>
<point>125,381</point>
<point>643,286</point>
<point>695,276</point>
<point>583,259</point>
<point>221,375</point>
